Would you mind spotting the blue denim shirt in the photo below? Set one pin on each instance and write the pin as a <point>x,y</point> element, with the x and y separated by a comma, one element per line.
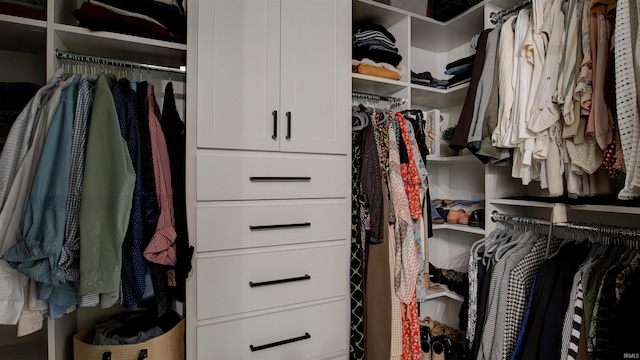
<point>37,254</point>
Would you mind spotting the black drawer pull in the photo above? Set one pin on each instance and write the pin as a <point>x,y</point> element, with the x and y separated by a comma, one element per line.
<point>279,178</point>
<point>278,343</point>
<point>288,125</point>
<point>279,226</point>
<point>280,281</point>
<point>275,124</point>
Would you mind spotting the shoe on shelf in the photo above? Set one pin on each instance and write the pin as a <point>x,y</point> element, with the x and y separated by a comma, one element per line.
<point>476,219</point>
<point>425,342</point>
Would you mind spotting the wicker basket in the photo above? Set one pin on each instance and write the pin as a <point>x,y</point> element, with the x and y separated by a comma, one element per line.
<point>169,346</point>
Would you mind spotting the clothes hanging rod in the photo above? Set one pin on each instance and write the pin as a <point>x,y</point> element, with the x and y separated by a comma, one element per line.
<point>67,55</point>
<point>392,99</point>
<point>606,230</point>
<point>496,17</point>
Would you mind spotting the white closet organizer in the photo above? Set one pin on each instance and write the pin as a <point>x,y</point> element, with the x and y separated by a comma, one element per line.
<point>268,179</point>
<point>27,53</point>
<point>429,45</point>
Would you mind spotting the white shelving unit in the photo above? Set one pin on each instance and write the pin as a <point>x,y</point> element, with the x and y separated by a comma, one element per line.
<point>429,45</point>
<point>27,54</point>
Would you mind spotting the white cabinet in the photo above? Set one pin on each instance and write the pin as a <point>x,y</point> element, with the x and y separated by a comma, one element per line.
<point>274,75</point>
<point>268,176</point>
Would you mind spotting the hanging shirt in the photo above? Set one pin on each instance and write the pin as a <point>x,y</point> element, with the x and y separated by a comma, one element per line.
<point>161,249</point>
<point>12,288</point>
<point>174,133</point>
<point>135,269</point>
<point>37,254</point>
<point>109,178</point>
<point>70,254</point>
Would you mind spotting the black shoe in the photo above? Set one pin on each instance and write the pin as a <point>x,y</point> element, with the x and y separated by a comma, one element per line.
<point>425,339</point>
<point>477,218</point>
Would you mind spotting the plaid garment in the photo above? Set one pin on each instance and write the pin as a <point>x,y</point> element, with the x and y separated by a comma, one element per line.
<point>70,255</point>
<point>521,280</point>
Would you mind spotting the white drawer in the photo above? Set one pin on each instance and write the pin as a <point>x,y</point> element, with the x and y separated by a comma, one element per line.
<point>325,324</point>
<point>237,225</point>
<point>235,175</point>
<point>224,281</point>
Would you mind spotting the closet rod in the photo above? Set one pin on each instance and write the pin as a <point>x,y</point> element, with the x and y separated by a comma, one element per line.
<point>496,17</point>
<point>67,55</point>
<point>359,95</point>
<point>606,230</point>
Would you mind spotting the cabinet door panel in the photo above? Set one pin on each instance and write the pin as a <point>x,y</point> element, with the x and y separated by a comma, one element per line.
<point>238,73</point>
<point>316,53</point>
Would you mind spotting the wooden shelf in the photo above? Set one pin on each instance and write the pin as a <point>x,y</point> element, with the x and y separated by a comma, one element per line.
<point>22,34</point>
<point>376,85</point>
<point>459,227</point>
<point>120,46</point>
<point>438,98</point>
<point>444,294</point>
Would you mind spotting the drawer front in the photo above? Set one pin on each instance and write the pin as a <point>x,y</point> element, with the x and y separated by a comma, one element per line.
<point>238,225</point>
<point>326,326</point>
<point>233,284</point>
<point>233,175</point>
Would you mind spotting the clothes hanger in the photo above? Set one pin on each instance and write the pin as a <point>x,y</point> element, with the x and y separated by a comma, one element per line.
<point>358,115</point>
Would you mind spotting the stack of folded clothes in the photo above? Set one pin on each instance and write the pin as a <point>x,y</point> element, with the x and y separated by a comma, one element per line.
<point>460,69</point>
<point>13,98</point>
<point>33,9</point>
<point>375,52</point>
<point>158,19</point>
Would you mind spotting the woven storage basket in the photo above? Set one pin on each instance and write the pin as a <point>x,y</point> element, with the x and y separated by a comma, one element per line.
<point>169,346</point>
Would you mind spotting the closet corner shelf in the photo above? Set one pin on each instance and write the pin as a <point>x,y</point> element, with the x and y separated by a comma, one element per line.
<point>446,294</point>
<point>440,36</point>
<point>586,207</point>
<point>376,85</point>
<point>438,98</point>
<point>121,46</point>
<point>462,159</point>
<point>461,228</point>
<point>22,34</point>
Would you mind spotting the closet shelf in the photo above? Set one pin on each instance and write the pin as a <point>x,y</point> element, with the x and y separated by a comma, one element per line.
<point>443,36</point>
<point>583,207</point>
<point>462,159</point>
<point>376,85</point>
<point>22,34</point>
<point>457,227</point>
<point>125,47</point>
<point>438,98</point>
<point>444,294</point>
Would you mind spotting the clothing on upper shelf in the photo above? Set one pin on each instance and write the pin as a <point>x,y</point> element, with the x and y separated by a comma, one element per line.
<point>33,9</point>
<point>375,42</point>
<point>149,18</point>
<point>80,144</point>
<point>460,69</point>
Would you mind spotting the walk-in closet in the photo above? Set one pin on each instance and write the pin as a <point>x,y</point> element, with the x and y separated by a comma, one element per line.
<point>179,179</point>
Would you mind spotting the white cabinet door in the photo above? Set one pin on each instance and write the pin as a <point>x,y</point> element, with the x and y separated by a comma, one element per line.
<point>316,53</point>
<point>238,74</point>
